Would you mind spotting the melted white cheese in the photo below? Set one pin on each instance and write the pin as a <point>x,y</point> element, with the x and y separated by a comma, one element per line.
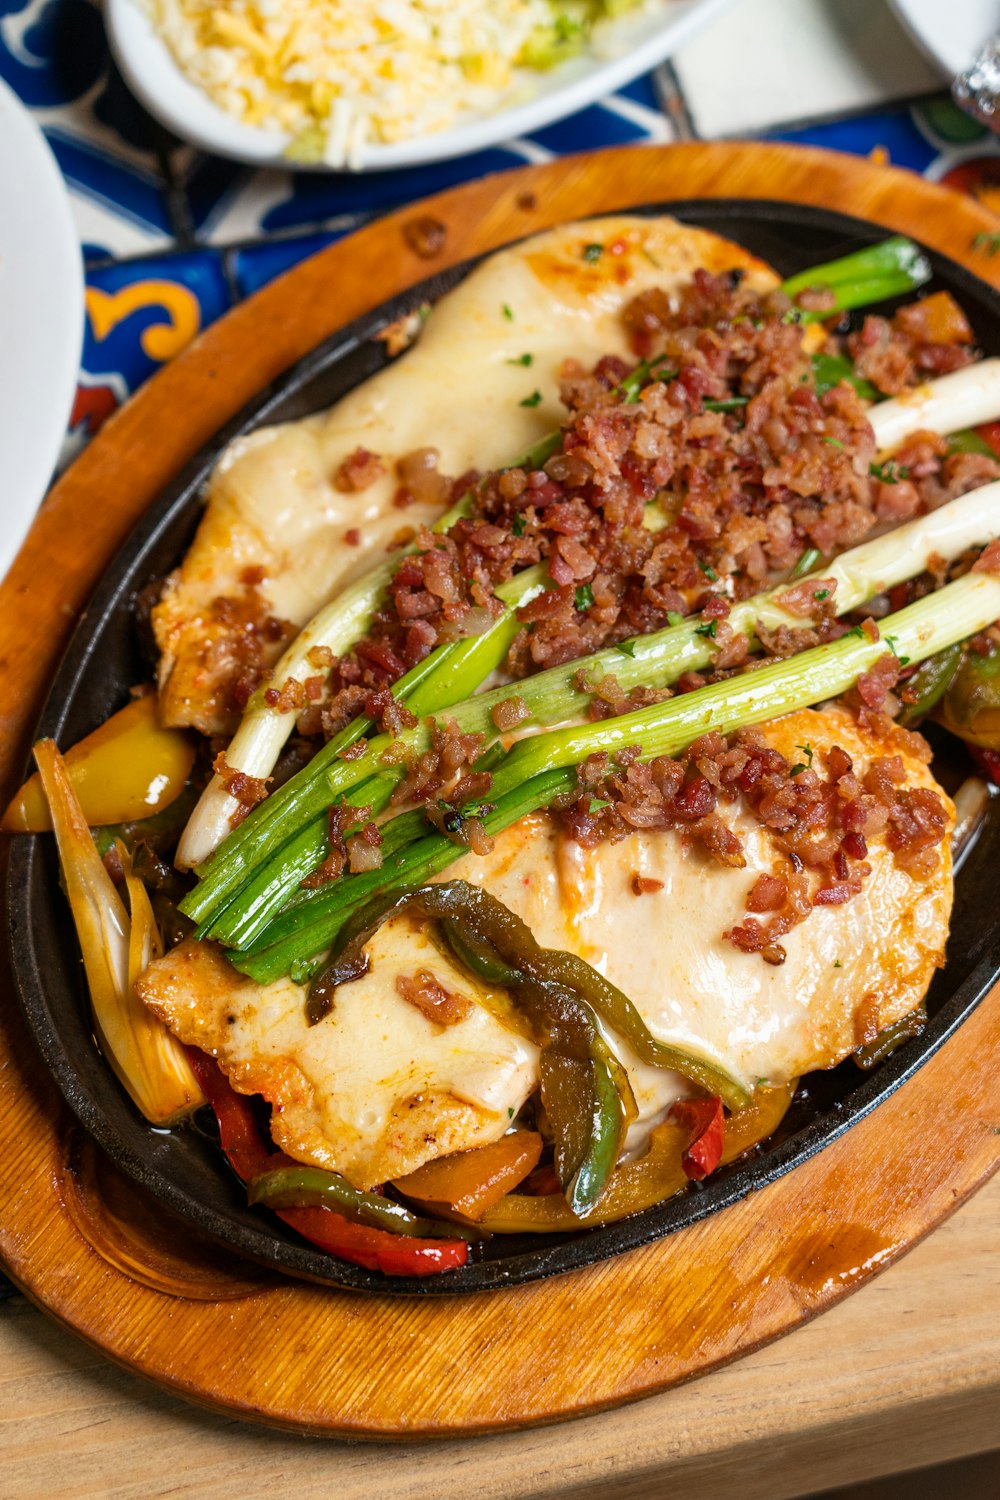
<point>273,502</point>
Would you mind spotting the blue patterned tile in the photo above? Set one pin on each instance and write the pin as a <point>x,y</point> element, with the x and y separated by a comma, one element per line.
<point>256,265</point>
<point>140,314</point>
<point>892,131</point>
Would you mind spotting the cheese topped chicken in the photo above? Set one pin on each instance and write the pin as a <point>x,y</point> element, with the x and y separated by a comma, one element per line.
<point>379,1087</point>
<point>769,901</point>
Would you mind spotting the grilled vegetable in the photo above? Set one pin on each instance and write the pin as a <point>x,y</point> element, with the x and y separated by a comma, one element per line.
<point>149,1061</point>
<point>129,768</point>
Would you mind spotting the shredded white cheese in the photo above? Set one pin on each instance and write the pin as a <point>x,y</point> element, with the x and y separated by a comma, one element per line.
<point>339,74</point>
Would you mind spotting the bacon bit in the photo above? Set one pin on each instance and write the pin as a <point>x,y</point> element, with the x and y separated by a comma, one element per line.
<point>507,714</point>
<point>419,477</point>
<point>870,628</point>
<point>705,1122</point>
<point>989,560</point>
<point>433,1001</point>
<point>340,818</point>
<point>352,536</point>
<point>645,885</point>
<point>358,471</point>
<point>801,601</point>
<point>353,752</point>
<point>875,685</point>
<point>252,577</point>
<point>817,299</point>
<point>480,842</point>
<point>320,656</point>
<point>768,893</point>
<point>290,699</point>
<point>425,236</point>
<point>837,894</point>
<point>246,790</point>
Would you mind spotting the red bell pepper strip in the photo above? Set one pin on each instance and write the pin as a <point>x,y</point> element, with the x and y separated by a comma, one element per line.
<point>706,1122</point>
<point>988,762</point>
<point>360,1244</point>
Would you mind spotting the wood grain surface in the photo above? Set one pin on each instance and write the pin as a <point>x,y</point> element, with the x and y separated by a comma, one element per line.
<point>137,1286</point>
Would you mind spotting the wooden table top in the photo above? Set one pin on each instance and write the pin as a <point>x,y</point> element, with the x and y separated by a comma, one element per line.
<point>903,1373</point>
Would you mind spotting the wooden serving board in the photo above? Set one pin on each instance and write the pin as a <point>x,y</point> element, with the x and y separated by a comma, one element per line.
<point>88,1247</point>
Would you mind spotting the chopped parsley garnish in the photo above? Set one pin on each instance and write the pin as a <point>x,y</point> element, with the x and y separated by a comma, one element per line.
<point>856,630</point>
<point>834,442</point>
<point>890,472</point>
<point>837,964</point>
<point>732,403</point>
<point>803,765</point>
<point>673,618</point>
<point>625,648</point>
<point>890,640</point>
<point>592,253</point>
<point>522,359</point>
<point>708,571</point>
<point>508,314</point>
<point>651,258</point>
<point>596,805</point>
<point>584,597</point>
<point>535,399</point>
<point>708,629</point>
<point>793,315</point>
<point>518,524</point>
<point>510,1112</point>
<point>821,594</point>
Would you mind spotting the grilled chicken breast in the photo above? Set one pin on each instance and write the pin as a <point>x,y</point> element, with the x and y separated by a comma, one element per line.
<point>271,546</point>
<point>378,1088</point>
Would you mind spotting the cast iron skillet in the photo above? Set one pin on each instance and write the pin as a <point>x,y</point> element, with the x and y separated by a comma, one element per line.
<point>184,1169</point>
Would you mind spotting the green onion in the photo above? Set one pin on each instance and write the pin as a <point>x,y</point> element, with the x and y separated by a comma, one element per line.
<point>886,270</point>
<point>830,369</point>
<point>536,768</point>
<point>449,672</point>
<point>654,660</point>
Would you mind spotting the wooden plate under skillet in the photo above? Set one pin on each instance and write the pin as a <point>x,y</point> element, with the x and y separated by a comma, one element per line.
<point>134,1281</point>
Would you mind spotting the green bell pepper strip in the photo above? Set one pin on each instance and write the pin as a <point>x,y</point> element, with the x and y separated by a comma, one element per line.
<point>487,926</point>
<point>929,683</point>
<point>311,1187</point>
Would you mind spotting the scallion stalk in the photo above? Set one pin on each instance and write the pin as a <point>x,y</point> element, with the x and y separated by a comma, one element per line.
<point>284,839</point>
<point>537,768</point>
<point>889,269</point>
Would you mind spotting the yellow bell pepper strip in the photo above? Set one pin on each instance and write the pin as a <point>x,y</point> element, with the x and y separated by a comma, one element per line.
<point>641,1184</point>
<point>129,768</point>
<point>970,707</point>
<point>360,1244</point>
<point>298,1186</point>
<point>148,1059</point>
<point>491,929</point>
<point>472,1182</point>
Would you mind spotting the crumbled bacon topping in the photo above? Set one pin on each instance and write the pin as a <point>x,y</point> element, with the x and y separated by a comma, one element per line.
<point>820,816</point>
<point>359,471</point>
<point>246,790</point>
<point>429,996</point>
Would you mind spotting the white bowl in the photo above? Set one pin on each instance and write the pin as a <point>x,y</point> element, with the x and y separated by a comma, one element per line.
<point>950,34</point>
<point>640,42</point>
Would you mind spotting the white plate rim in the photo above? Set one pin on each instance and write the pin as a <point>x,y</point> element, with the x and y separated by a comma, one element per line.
<point>150,71</point>
<point>41,311</point>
